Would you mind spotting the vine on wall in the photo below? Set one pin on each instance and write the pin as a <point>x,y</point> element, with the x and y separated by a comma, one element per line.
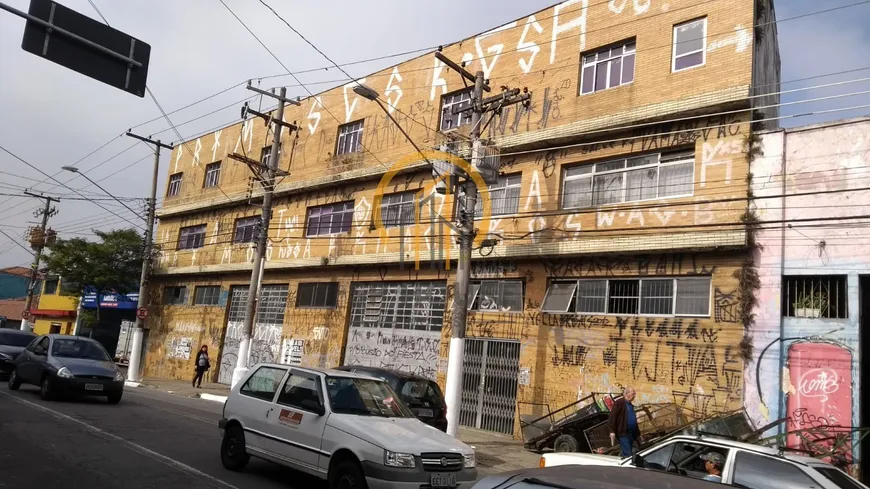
<point>747,275</point>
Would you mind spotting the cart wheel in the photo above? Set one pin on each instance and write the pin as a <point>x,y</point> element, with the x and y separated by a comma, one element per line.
<point>565,443</point>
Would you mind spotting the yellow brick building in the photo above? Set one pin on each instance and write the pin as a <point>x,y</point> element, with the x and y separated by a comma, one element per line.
<point>617,218</point>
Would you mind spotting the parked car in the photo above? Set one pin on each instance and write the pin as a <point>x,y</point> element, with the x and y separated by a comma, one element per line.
<point>12,343</point>
<point>419,393</point>
<point>746,465</point>
<point>576,477</point>
<point>68,365</point>
<point>347,428</point>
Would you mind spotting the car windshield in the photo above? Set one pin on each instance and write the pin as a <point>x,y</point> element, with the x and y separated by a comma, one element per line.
<point>79,349</point>
<point>364,397</point>
<point>420,393</point>
<point>15,339</point>
<point>840,478</point>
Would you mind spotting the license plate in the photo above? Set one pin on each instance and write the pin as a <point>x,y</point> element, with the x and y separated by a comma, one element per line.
<point>442,480</point>
<point>93,387</point>
<point>425,413</point>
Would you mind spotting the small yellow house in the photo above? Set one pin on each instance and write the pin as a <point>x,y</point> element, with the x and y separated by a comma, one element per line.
<point>54,311</point>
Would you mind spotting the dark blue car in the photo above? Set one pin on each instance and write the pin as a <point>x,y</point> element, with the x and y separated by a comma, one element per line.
<point>12,343</point>
<point>68,365</point>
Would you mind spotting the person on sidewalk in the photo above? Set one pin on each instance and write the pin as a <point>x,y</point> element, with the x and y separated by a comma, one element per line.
<point>623,423</point>
<point>201,365</point>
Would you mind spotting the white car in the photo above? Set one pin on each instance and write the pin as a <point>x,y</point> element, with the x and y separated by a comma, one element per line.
<point>746,465</point>
<point>347,428</point>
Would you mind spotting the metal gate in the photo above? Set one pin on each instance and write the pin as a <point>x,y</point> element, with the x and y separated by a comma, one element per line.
<point>489,385</point>
<point>266,340</point>
<point>233,334</point>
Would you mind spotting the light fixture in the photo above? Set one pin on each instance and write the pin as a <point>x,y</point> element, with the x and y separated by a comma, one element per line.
<point>70,168</point>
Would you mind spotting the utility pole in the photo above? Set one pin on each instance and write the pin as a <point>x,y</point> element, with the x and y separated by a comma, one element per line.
<point>138,330</point>
<point>266,177</point>
<point>46,212</point>
<point>456,356</point>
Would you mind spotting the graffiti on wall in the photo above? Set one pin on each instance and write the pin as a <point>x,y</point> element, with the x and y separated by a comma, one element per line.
<point>402,349</point>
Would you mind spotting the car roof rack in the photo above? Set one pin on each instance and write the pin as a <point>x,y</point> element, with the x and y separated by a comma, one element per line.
<point>701,434</point>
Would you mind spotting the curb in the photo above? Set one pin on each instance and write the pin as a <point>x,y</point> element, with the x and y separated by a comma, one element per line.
<point>128,383</point>
<point>213,397</point>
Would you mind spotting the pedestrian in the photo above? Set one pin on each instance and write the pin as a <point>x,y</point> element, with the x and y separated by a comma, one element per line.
<point>714,462</point>
<point>623,422</point>
<point>201,365</point>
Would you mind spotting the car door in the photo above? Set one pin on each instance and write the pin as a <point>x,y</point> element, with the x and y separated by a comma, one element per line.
<point>757,471</point>
<point>299,418</point>
<point>254,402</point>
<point>683,457</point>
<point>30,369</point>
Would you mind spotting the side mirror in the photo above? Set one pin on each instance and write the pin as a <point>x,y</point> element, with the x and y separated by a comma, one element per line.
<point>638,461</point>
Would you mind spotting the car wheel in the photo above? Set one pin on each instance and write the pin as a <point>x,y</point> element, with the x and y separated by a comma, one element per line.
<point>46,391</point>
<point>347,475</point>
<point>565,443</point>
<point>233,453</point>
<point>114,398</point>
<point>14,381</point>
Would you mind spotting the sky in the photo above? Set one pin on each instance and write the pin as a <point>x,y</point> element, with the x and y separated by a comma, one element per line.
<point>52,116</point>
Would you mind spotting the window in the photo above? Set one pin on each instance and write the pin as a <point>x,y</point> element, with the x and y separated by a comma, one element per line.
<point>651,176</point>
<point>263,383</point>
<point>398,209</point>
<point>212,175</point>
<point>838,477</point>
<point>815,296</point>
<point>50,287</point>
<point>207,295</point>
<point>246,229</point>
<point>41,348</point>
<point>317,294</point>
<point>455,100</point>
<point>690,43</point>
<point>329,219</point>
<point>753,471</point>
<point>300,392</point>
<point>54,328</point>
<point>415,305</point>
<point>349,138</point>
<point>681,457</point>
<point>654,297</point>
<point>504,196</point>
<point>608,68</point>
<point>174,187</point>
<point>266,153</point>
<point>272,303</point>
<point>174,296</point>
<point>496,296</point>
<point>191,237</point>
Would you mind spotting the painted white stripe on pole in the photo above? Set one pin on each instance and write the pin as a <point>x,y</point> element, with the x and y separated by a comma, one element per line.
<point>133,446</point>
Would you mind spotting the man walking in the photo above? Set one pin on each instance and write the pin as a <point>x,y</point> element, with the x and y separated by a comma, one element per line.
<point>623,422</point>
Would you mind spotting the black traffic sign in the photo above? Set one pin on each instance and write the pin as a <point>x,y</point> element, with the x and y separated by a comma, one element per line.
<point>82,44</point>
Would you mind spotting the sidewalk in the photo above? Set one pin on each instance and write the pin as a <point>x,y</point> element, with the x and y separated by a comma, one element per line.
<point>495,452</point>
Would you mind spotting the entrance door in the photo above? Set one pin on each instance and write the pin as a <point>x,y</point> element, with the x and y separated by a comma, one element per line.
<point>233,333</point>
<point>268,324</point>
<point>489,385</point>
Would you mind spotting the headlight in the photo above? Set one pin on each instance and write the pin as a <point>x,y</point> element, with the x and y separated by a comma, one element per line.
<point>64,373</point>
<point>119,377</point>
<point>393,459</point>
<point>470,460</point>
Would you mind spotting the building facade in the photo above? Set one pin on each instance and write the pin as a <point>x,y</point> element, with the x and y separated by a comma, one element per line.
<point>617,217</point>
<point>54,309</point>
<point>814,301</point>
<point>13,282</point>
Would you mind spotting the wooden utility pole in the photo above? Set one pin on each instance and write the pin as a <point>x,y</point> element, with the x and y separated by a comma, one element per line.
<point>46,212</point>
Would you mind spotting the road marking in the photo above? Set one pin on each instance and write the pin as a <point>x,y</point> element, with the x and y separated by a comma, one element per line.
<point>133,446</point>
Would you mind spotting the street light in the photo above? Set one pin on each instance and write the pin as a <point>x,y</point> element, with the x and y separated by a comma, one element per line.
<point>73,169</point>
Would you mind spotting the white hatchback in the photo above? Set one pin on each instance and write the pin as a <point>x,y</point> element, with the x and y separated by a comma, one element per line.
<point>349,429</point>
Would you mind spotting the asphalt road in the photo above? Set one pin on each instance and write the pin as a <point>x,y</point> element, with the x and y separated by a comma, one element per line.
<point>150,440</point>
